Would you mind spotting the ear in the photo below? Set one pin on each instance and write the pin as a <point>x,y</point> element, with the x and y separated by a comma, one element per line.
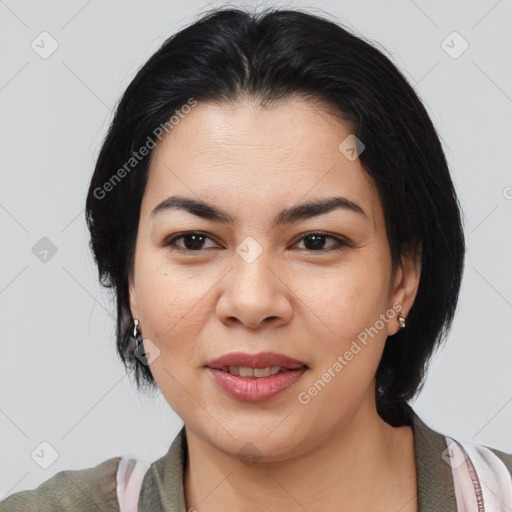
<point>405,285</point>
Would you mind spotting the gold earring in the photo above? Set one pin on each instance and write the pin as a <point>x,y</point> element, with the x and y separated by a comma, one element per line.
<point>401,321</point>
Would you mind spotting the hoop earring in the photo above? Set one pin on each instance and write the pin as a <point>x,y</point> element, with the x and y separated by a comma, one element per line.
<point>401,321</point>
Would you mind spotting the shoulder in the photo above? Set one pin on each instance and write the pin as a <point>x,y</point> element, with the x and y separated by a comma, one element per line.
<point>428,440</point>
<point>484,458</point>
<point>87,489</point>
<point>506,458</point>
<point>459,473</point>
<point>481,475</point>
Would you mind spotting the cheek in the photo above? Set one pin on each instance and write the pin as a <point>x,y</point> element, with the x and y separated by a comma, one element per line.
<point>173,312</point>
<point>171,305</point>
<point>345,300</point>
<point>348,340</point>
<point>348,348</point>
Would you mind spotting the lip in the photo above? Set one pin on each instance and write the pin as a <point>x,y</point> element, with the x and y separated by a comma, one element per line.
<point>255,389</point>
<point>259,360</point>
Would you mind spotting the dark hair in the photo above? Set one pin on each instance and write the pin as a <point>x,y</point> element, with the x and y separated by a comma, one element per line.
<point>269,56</point>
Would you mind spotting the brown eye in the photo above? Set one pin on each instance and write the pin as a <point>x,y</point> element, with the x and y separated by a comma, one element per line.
<point>316,242</point>
<point>195,241</point>
<point>192,241</point>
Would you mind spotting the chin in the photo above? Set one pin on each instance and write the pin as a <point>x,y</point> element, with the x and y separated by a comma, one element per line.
<point>259,441</point>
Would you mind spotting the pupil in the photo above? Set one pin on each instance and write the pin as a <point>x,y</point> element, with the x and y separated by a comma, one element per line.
<point>319,241</point>
<point>198,241</point>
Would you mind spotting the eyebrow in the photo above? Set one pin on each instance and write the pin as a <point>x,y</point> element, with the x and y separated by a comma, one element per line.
<point>298,212</point>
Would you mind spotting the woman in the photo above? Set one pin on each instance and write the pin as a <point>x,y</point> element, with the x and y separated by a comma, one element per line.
<point>274,210</point>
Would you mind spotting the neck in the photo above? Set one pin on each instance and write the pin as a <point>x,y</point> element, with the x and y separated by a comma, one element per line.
<point>367,464</point>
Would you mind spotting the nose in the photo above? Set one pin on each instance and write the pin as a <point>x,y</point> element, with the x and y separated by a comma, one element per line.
<point>255,294</point>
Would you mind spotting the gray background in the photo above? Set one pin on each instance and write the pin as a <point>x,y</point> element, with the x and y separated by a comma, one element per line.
<point>61,380</point>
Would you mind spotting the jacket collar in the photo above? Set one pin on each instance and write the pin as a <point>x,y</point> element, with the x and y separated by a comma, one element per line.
<point>435,482</point>
<point>163,484</point>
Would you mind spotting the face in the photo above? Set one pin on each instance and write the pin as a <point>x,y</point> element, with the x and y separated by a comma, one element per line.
<point>313,284</point>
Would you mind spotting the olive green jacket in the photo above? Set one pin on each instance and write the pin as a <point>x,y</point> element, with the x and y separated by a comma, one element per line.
<point>95,489</point>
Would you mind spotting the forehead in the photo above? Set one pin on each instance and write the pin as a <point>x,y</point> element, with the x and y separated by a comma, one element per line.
<point>243,155</point>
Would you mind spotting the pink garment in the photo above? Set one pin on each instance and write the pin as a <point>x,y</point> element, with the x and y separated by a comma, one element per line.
<point>482,482</point>
<point>130,474</point>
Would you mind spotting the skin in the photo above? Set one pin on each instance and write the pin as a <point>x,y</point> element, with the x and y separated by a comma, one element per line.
<point>310,305</point>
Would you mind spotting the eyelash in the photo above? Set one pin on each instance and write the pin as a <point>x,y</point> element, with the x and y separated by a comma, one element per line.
<point>339,241</point>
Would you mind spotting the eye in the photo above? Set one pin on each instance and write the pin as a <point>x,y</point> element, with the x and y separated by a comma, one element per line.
<point>192,241</point>
<point>316,241</point>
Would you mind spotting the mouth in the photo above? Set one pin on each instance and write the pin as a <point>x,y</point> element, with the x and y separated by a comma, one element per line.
<point>256,373</point>
<point>255,377</point>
